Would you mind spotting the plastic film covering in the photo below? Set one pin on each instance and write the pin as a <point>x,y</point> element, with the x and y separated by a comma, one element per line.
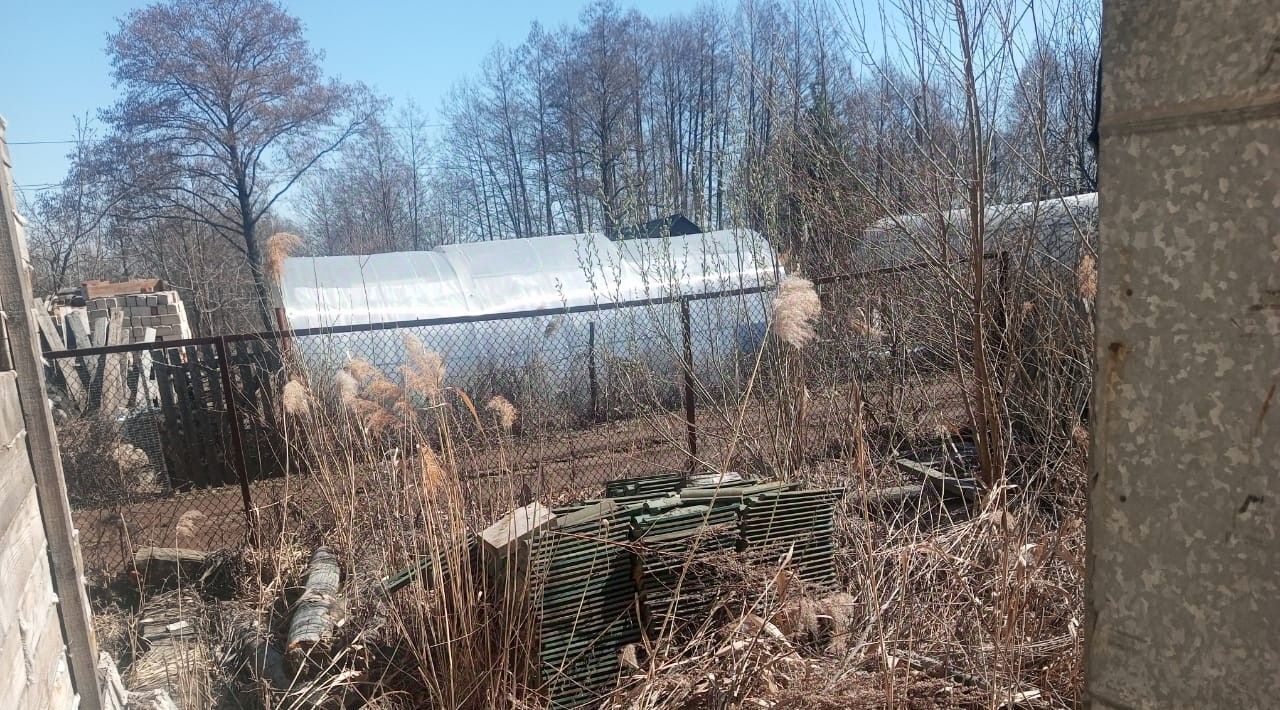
<point>518,275</point>
<point>539,273</point>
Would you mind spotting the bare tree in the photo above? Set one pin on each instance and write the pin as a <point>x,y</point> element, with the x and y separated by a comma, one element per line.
<point>224,108</point>
<point>71,220</point>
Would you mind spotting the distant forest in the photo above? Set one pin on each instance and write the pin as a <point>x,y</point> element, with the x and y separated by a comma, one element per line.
<point>804,120</point>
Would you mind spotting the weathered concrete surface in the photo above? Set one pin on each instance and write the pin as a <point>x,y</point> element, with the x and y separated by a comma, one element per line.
<point>1184,592</point>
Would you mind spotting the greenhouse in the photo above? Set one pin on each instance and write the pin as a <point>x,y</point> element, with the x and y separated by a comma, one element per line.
<point>575,283</point>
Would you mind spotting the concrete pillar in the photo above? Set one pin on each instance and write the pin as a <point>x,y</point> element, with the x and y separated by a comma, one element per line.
<point>1183,601</point>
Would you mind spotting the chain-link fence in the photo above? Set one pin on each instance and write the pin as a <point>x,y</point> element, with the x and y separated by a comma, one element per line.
<point>176,445</point>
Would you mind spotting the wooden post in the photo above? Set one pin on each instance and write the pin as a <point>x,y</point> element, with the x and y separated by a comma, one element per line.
<point>42,443</point>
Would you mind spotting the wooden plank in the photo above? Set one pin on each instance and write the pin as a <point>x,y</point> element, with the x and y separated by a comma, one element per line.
<point>42,443</point>
<point>52,338</point>
<point>66,367</point>
<point>16,477</point>
<point>171,430</point>
<point>115,377</point>
<point>163,566</point>
<point>77,329</point>
<point>215,411</point>
<point>208,413</point>
<point>100,327</point>
<point>21,543</point>
<point>103,289</point>
<point>965,488</point>
<point>190,460</point>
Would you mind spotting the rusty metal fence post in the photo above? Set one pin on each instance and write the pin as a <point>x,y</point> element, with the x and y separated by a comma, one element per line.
<point>594,396</point>
<point>690,402</point>
<point>237,434</point>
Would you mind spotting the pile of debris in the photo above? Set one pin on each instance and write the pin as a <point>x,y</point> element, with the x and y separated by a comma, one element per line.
<point>640,564</point>
<point>143,310</point>
<point>100,314</point>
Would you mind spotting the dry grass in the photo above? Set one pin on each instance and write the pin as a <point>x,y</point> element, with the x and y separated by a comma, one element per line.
<point>941,604</point>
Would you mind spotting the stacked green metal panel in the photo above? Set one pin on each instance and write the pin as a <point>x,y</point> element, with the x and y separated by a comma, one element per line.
<point>586,603</point>
<point>799,523</point>
<point>675,548</point>
<point>644,486</point>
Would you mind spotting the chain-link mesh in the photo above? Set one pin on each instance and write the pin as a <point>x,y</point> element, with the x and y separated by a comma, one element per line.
<point>160,445</point>
<point>119,458</point>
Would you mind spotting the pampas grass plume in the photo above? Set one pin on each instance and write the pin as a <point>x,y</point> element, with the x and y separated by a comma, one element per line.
<point>296,399</point>
<point>362,370</point>
<point>347,387</point>
<point>189,524</point>
<point>424,370</point>
<point>502,410</point>
<point>794,310</point>
<point>1087,278</point>
<point>278,248</point>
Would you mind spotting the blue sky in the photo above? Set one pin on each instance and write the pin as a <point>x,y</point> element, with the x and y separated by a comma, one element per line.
<point>56,68</point>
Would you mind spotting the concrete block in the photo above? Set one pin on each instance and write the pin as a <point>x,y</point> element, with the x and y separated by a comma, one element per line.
<point>137,333</point>
<point>153,310</point>
<point>151,321</point>
<point>97,313</point>
<point>163,331</point>
<point>163,298</point>
<point>170,319</point>
<point>517,525</point>
<point>153,300</point>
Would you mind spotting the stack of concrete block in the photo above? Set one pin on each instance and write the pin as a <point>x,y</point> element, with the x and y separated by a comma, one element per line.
<point>162,311</point>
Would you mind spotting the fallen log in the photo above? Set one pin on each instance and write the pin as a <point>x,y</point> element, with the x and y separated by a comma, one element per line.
<point>313,618</point>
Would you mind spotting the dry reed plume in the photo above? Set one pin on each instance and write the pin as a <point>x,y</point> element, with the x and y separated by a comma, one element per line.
<point>503,411</point>
<point>795,308</point>
<point>361,369</point>
<point>348,388</point>
<point>424,370</point>
<point>278,248</point>
<point>189,524</point>
<point>1087,278</point>
<point>296,399</point>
